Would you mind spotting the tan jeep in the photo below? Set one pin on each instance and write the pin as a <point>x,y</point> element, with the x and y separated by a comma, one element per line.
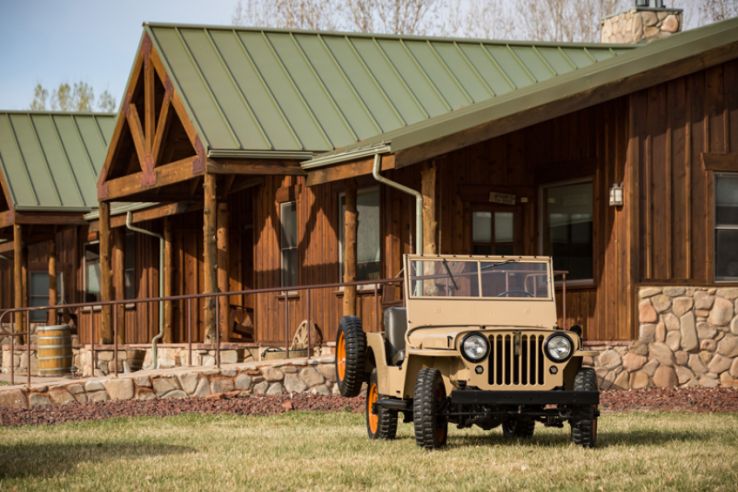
<point>477,344</point>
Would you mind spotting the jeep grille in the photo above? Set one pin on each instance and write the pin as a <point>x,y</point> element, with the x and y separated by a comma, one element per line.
<point>522,367</point>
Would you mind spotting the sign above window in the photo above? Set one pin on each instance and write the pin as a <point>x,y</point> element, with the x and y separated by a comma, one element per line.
<point>501,198</point>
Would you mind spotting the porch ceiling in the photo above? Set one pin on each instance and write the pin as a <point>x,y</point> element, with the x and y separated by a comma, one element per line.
<point>252,90</point>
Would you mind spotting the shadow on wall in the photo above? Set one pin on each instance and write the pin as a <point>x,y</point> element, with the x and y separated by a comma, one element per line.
<point>23,460</point>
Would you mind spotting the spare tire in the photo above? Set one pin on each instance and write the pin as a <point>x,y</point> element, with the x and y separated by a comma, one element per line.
<point>350,353</point>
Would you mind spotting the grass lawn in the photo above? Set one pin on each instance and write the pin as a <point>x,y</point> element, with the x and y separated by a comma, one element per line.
<point>330,451</point>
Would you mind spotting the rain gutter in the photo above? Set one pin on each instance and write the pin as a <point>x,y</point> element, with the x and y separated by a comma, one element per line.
<point>418,202</point>
<point>345,156</point>
<point>129,218</point>
<point>259,154</point>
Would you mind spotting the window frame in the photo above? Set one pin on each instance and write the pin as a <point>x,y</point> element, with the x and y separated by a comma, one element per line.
<point>282,249</point>
<point>60,292</point>
<point>342,232</point>
<point>494,208</point>
<point>585,282</point>
<point>715,227</point>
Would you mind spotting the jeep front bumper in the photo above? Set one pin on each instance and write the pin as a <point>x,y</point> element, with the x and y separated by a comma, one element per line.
<point>480,397</point>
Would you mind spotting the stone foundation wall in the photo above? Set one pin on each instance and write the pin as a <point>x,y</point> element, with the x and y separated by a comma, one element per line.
<point>688,336</point>
<point>639,25</point>
<point>316,376</point>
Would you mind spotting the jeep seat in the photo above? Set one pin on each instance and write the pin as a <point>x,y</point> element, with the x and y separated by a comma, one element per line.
<point>395,326</point>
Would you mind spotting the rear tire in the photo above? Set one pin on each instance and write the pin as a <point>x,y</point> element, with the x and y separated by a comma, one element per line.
<point>383,423</point>
<point>584,427</point>
<point>518,428</point>
<point>350,354</point>
<point>431,429</point>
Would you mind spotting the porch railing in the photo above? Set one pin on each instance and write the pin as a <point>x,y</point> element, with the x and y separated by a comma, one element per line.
<point>188,298</point>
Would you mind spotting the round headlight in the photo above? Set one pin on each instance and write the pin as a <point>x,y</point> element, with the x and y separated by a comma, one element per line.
<point>559,348</point>
<point>474,347</point>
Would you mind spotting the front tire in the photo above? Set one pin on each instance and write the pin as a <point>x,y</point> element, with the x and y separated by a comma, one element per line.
<point>350,354</point>
<point>381,424</point>
<point>584,427</point>
<point>431,429</point>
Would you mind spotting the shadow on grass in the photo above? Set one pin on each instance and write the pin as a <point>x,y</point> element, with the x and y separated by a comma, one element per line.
<point>47,460</point>
<point>640,437</point>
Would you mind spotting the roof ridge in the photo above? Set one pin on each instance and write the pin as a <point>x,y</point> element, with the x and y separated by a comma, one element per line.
<point>403,37</point>
<point>56,113</point>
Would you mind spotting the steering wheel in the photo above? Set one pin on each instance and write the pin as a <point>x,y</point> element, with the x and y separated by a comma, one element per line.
<point>514,292</point>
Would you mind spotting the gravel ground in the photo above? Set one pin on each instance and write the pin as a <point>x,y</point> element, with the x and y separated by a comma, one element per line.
<point>694,400</point>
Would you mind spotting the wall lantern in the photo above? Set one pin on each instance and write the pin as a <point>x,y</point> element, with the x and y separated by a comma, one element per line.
<point>616,195</point>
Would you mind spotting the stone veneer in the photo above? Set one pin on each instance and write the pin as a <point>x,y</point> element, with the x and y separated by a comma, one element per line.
<point>314,376</point>
<point>688,336</point>
<point>638,25</point>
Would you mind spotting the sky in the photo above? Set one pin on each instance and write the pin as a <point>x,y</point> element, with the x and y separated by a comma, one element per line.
<point>55,41</point>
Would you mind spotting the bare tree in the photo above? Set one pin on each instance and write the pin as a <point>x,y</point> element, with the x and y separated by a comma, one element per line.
<point>565,20</point>
<point>718,10</point>
<point>77,97</point>
<point>301,14</point>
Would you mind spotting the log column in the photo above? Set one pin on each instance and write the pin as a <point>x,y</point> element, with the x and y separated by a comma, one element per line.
<point>168,272</point>
<point>430,225</point>
<point>19,261</point>
<point>106,277</point>
<point>223,270</point>
<point>210,255</point>
<point>53,284</point>
<point>119,279</point>
<point>350,246</point>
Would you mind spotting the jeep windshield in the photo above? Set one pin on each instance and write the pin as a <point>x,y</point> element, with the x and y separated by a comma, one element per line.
<point>500,279</point>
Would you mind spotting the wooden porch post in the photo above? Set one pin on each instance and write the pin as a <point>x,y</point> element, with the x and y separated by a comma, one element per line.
<point>53,286</point>
<point>350,246</point>
<point>209,224</point>
<point>18,263</point>
<point>430,225</point>
<point>106,278</point>
<point>223,270</point>
<point>119,278</point>
<point>168,272</point>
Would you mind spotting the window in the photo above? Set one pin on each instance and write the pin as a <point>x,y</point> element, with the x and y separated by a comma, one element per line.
<point>92,272</point>
<point>726,227</point>
<point>130,267</point>
<point>567,228</point>
<point>493,233</point>
<point>367,235</point>
<point>288,244</point>
<point>39,293</point>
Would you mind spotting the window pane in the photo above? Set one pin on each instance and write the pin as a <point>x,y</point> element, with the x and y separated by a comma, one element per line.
<point>40,284</point>
<point>289,267</point>
<point>444,279</point>
<point>130,284</point>
<point>726,251</point>
<point>482,227</point>
<point>289,224</point>
<point>726,200</point>
<point>92,272</point>
<point>40,316</point>
<point>503,227</point>
<point>514,279</point>
<point>568,228</point>
<point>368,239</point>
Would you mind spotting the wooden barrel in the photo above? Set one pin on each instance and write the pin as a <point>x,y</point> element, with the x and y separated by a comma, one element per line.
<point>135,359</point>
<point>54,350</point>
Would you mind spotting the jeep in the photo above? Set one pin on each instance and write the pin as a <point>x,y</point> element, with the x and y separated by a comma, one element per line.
<point>477,344</point>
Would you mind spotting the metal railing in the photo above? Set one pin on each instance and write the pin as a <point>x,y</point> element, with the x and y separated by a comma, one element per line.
<point>188,316</point>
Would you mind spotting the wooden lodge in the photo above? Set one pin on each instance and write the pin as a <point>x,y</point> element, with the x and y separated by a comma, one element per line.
<point>251,151</point>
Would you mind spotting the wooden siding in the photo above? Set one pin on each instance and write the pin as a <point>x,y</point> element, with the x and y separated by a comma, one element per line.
<point>674,123</point>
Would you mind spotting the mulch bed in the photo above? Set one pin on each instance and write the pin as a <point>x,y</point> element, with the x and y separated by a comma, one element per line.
<point>694,400</point>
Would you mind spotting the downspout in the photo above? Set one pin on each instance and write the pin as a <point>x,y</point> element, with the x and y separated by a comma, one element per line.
<point>131,227</point>
<point>418,202</point>
<point>3,257</point>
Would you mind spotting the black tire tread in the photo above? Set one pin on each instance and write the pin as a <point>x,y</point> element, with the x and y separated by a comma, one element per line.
<point>581,430</point>
<point>387,425</point>
<point>424,409</point>
<point>350,386</point>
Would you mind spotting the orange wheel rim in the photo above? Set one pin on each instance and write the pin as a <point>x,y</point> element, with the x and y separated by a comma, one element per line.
<point>440,431</point>
<point>372,418</point>
<point>341,356</point>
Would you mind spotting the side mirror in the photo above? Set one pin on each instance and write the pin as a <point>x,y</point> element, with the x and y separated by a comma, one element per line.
<point>576,329</point>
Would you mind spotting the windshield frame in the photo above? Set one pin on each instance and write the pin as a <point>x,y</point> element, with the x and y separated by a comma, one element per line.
<point>499,260</point>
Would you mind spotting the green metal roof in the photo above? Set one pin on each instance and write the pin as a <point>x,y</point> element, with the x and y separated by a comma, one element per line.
<point>248,89</point>
<point>596,83</point>
<point>51,161</point>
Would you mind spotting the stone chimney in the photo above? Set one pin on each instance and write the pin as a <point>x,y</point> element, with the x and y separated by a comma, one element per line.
<point>643,22</point>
